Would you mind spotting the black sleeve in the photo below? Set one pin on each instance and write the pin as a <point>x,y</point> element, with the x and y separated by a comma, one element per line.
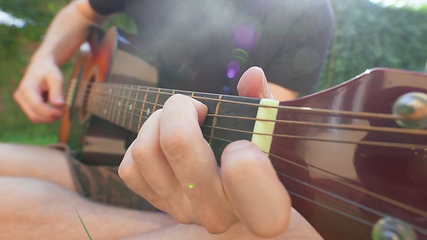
<point>299,62</point>
<point>105,7</point>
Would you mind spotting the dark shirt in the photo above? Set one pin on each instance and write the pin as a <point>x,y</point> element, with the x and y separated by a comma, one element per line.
<point>203,45</point>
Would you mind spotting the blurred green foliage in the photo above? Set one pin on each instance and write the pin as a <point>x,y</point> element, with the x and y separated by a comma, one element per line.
<point>16,46</point>
<point>366,36</point>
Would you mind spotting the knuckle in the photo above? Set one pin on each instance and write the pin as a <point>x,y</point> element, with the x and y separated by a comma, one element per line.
<point>124,172</point>
<point>215,227</point>
<point>180,216</point>
<point>140,153</point>
<point>175,143</point>
<point>217,220</point>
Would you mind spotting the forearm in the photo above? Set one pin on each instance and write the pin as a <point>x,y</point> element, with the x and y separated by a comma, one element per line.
<point>67,31</point>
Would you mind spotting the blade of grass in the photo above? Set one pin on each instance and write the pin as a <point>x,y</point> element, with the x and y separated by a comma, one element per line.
<point>83,224</point>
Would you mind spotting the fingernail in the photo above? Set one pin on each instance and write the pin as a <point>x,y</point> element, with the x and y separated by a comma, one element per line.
<point>265,90</point>
<point>235,146</point>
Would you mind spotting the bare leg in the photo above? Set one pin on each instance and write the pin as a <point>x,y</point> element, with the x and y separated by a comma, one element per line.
<point>35,162</point>
<point>37,209</point>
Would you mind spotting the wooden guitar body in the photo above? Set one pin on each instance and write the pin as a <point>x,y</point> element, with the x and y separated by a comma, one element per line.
<point>347,173</point>
<point>354,167</point>
<point>94,140</point>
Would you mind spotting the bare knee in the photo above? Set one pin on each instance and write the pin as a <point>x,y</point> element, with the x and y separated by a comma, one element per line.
<point>21,195</point>
<point>35,162</point>
<point>32,208</point>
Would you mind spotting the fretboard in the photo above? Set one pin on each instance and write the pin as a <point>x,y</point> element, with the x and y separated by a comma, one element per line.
<point>229,118</point>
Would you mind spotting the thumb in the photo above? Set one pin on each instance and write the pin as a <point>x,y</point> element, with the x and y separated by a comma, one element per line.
<point>253,83</point>
<point>55,82</point>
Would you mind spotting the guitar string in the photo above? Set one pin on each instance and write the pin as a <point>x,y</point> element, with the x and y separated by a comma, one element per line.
<point>350,202</point>
<point>406,131</point>
<point>124,110</point>
<point>336,210</point>
<point>340,180</point>
<point>344,199</point>
<point>289,108</point>
<point>284,160</point>
<point>366,142</point>
<point>360,142</point>
<point>337,126</point>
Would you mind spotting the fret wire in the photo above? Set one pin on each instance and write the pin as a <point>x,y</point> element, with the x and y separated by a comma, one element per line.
<point>133,109</point>
<point>126,106</point>
<point>157,99</point>
<point>113,105</point>
<point>116,107</point>
<point>106,103</point>
<point>119,105</point>
<point>141,116</point>
<point>215,119</point>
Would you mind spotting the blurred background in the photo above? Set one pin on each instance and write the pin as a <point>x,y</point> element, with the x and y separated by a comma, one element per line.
<point>368,34</point>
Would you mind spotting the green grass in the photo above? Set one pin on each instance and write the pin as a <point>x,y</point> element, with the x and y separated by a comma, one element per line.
<point>16,128</point>
<point>31,134</point>
<point>84,226</point>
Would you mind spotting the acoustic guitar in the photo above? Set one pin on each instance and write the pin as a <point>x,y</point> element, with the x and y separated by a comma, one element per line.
<point>353,157</point>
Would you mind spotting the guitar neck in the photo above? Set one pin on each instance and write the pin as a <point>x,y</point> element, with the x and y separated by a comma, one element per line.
<point>229,118</point>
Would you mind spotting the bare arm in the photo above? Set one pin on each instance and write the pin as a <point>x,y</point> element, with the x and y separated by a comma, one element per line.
<point>65,34</point>
<point>67,31</point>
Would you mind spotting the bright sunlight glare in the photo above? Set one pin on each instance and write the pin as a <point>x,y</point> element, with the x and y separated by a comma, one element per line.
<point>401,3</point>
<point>9,20</point>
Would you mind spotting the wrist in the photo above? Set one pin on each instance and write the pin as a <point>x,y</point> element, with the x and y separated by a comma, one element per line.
<point>42,56</point>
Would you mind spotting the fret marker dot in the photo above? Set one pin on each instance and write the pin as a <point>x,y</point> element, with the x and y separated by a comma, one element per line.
<point>105,111</point>
<point>148,111</point>
<point>119,103</point>
<point>130,107</point>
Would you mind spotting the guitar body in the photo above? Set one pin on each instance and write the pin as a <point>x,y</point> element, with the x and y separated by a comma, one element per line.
<point>95,140</point>
<point>352,169</point>
<point>344,175</point>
